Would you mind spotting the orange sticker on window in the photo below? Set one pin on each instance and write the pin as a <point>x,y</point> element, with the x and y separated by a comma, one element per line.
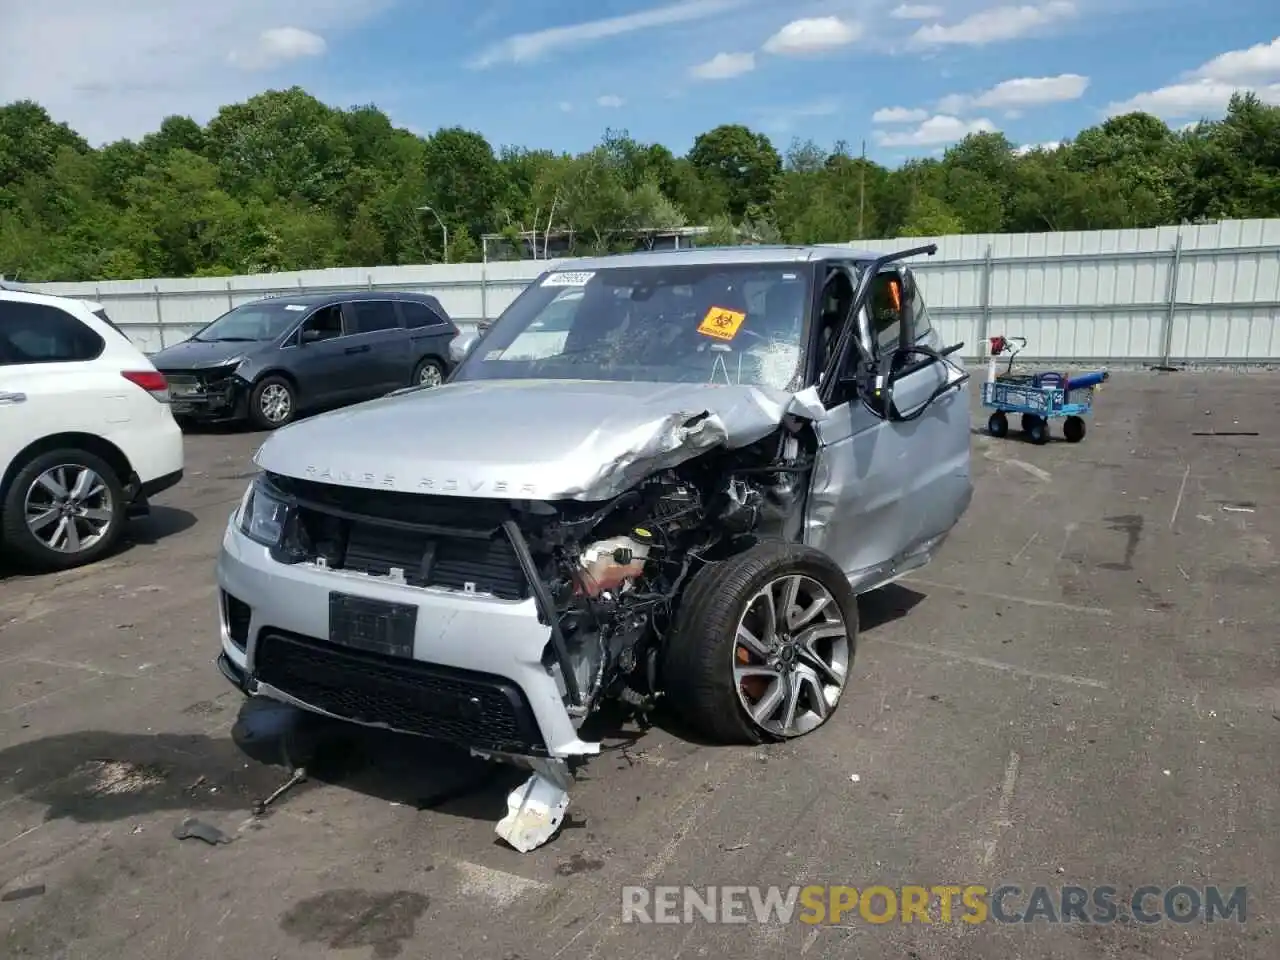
<point>721,323</point>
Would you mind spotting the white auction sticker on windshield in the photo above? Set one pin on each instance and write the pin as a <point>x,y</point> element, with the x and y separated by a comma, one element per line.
<point>294,306</point>
<point>576,279</point>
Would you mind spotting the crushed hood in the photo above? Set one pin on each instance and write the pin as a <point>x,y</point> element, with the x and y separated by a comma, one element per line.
<point>527,439</point>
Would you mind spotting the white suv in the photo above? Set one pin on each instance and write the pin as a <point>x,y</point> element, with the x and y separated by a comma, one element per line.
<point>86,434</point>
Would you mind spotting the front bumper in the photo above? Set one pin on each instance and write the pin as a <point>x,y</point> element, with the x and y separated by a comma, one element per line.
<point>207,399</point>
<point>478,677</point>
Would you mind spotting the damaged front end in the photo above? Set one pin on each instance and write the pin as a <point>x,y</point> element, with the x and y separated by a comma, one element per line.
<point>502,624</point>
<point>210,394</point>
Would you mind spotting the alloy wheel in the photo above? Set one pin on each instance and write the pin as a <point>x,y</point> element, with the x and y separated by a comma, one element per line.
<point>275,402</point>
<point>69,508</point>
<point>791,656</point>
<point>430,375</point>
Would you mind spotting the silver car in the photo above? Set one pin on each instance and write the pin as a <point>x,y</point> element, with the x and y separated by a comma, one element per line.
<point>656,476</point>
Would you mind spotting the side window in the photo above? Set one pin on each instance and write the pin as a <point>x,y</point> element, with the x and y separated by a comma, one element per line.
<point>418,315</point>
<point>885,307</point>
<point>369,316</point>
<point>39,333</point>
<point>324,324</point>
<point>920,324</point>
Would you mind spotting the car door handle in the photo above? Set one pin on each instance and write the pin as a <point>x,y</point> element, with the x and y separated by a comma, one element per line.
<point>13,398</point>
<point>362,349</point>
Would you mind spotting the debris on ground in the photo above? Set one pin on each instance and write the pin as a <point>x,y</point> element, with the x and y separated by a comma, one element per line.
<point>855,778</point>
<point>193,829</point>
<point>535,810</point>
<point>298,776</point>
<point>22,893</point>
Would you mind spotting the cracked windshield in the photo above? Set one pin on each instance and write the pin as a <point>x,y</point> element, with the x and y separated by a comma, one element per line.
<point>704,324</point>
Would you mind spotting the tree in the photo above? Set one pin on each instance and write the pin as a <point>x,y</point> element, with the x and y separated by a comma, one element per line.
<point>743,161</point>
<point>285,182</point>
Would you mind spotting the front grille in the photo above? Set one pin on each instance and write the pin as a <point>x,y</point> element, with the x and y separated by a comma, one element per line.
<point>459,706</point>
<point>435,541</point>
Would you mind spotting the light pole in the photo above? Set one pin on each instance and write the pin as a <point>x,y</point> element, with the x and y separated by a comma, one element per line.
<point>443,229</point>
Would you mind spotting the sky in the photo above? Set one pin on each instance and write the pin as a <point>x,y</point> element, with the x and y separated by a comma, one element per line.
<point>906,78</point>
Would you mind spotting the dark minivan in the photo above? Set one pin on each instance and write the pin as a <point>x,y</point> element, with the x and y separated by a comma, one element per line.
<point>270,360</point>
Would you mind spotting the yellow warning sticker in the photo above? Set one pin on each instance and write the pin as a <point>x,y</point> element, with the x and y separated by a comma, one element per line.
<point>721,323</point>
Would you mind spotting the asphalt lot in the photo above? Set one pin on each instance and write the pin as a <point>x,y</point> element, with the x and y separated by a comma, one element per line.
<point>1084,689</point>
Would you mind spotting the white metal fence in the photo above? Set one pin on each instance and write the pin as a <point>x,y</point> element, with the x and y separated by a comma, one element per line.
<point>1173,295</point>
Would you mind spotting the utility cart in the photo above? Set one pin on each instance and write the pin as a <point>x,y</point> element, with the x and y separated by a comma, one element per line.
<point>1038,397</point>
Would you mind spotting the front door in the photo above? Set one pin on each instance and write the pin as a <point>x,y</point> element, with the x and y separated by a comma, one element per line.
<point>322,362</point>
<point>885,491</point>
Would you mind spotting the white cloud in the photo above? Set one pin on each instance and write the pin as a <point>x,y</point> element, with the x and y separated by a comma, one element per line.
<point>815,35</point>
<point>1208,89</point>
<point>175,59</point>
<point>995,25</point>
<point>1048,146</point>
<point>610,101</point>
<point>565,106</point>
<point>725,65</point>
<point>916,11</point>
<point>1259,62</point>
<point>899,115</point>
<point>936,130</point>
<point>279,46</point>
<point>1192,99</point>
<point>1017,94</point>
<point>525,47</point>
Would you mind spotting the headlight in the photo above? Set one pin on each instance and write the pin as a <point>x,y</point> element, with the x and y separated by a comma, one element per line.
<point>263,516</point>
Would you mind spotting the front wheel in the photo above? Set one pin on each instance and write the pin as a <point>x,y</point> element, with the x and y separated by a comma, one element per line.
<point>998,425</point>
<point>428,373</point>
<point>1073,429</point>
<point>64,509</point>
<point>273,403</point>
<point>762,645</point>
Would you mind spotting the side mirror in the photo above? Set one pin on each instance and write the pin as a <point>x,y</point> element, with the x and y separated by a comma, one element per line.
<point>310,336</point>
<point>461,346</point>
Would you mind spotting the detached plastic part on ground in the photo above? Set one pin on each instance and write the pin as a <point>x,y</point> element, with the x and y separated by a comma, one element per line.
<point>535,810</point>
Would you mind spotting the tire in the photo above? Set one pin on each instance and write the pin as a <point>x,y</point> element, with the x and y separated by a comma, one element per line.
<point>96,518</point>
<point>428,373</point>
<point>1073,429</point>
<point>273,403</point>
<point>1038,432</point>
<point>703,655</point>
<point>998,425</point>
<point>1029,420</point>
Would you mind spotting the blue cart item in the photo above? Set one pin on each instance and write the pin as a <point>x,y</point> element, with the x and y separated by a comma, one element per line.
<point>1039,397</point>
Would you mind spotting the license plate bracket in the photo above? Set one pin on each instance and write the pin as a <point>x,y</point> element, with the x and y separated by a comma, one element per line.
<point>375,626</point>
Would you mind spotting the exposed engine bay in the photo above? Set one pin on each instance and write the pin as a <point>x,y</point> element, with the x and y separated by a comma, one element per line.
<point>615,572</point>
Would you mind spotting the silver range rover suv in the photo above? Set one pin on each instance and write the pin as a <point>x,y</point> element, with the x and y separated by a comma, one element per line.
<point>656,477</point>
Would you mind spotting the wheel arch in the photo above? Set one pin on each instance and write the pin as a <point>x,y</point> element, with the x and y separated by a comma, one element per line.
<point>89,442</point>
